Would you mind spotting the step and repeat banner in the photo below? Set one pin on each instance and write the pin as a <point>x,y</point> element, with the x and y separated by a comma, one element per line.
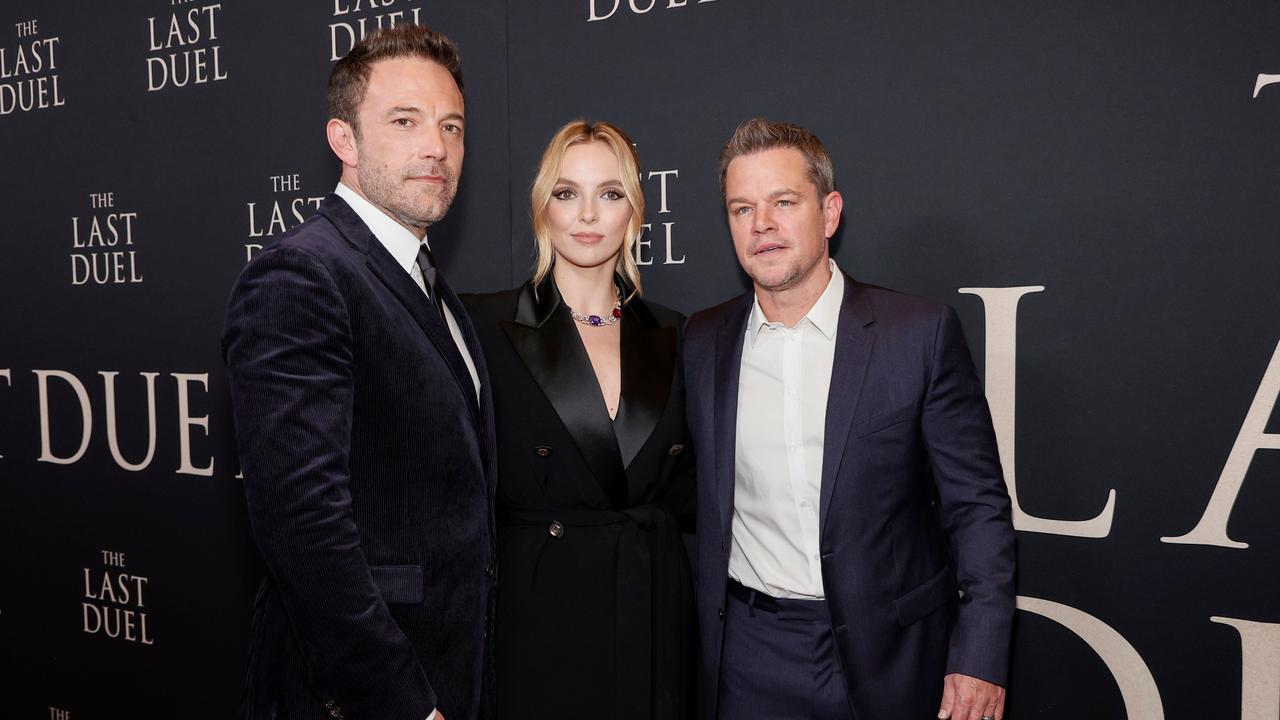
<point>1094,186</point>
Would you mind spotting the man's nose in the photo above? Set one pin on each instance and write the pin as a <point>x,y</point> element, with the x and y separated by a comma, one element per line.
<point>432,144</point>
<point>761,220</point>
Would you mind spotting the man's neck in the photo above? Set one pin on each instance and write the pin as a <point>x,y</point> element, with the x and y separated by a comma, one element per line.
<point>789,305</point>
<point>354,184</point>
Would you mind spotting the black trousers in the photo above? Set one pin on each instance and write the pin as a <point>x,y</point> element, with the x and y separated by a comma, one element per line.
<point>779,660</point>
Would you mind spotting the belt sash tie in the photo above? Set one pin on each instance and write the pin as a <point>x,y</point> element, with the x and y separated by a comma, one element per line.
<point>653,599</point>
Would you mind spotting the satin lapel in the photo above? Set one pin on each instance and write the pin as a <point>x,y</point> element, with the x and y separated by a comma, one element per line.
<point>728,366</point>
<point>854,344</point>
<point>415,301</point>
<point>555,357</point>
<point>648,360</point>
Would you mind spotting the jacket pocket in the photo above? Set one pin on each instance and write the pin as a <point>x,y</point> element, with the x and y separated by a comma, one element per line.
<point>926,597</point>
<point>883,421</point>
<point>398,584</point>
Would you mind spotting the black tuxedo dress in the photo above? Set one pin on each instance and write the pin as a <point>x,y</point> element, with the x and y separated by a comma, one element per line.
<point>595,600</point>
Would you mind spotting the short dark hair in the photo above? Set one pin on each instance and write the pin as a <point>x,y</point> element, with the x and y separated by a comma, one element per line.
<point>350,76</point>
<point>760,134</point>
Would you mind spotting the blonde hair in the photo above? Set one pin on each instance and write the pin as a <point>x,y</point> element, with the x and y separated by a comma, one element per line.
<point>573,133</point>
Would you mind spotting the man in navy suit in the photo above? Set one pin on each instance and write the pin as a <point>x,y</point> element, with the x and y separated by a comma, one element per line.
<point>855,551</point>
<point>364,419</point>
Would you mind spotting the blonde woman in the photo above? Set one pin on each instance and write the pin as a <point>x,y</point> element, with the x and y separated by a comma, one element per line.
<point>595,473</point>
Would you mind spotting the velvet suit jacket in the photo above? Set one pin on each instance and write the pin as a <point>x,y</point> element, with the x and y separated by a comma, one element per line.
<point>913,505</point>
<point>369,473</point>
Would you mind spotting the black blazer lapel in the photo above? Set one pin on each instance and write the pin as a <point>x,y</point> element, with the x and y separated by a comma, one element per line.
<point>415,301</point>
<point>393,276</point>
<point>544,337</point>
<point>728,366</point>
<point>484,411</point>
<point>648,361</point>
<point>854,343</point>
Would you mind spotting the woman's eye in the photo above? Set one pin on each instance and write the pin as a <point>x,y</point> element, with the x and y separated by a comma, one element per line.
<point>564,194</point>
<point>612,195</point>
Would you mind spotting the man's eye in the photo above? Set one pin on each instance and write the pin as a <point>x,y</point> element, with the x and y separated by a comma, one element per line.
<point>785,203</point>
<point>403,122</point>
<point>453,129</point>
<point>741,210</point>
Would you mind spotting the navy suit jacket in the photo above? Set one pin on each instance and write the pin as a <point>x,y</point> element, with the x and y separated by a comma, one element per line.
<point>369,474</point>
<point>913,503</point>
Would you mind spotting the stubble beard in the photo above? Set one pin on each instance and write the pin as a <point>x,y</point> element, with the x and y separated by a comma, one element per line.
<point>421,209</point>
<point>792,275</point>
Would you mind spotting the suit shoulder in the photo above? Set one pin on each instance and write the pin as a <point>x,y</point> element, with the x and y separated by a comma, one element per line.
<point>894,306</point>
<point>317,235</point>
<point>491,307</point>
<point>316,238</point>
<point>665,316</point>
<point>707,320</point>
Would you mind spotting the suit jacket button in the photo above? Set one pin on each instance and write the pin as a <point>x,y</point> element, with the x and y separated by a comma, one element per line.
<point>676,449</point>
<point>720,612</point>
<point>542,450</point>
<point>488,571</point>
<point>555,528</point>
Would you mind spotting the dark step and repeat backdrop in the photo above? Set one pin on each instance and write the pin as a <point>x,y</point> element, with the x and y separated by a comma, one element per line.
<point>1093,185</point>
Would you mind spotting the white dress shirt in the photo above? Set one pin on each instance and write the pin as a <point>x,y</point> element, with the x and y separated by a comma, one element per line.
<point>403,246</point>
<point>782,412</point>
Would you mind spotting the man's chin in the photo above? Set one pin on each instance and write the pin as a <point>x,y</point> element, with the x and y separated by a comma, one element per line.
<point>774,279</point>
<point>419,220</point>
<point>424,216</point>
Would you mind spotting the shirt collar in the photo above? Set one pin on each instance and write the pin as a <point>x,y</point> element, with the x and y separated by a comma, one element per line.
<point>396,238</point>
<point>824,315</point>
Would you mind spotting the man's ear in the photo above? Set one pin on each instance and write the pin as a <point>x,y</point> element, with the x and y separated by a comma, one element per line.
<point>342,140</point>
<point>832,206</point>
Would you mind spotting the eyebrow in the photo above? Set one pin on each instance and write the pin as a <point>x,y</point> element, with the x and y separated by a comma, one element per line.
<point>606,183</point>
<point>418,111</point>
<point>771,196</point>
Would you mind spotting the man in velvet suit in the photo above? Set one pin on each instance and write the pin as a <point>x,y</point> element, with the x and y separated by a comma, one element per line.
<point>364,419</point>
<point>855,550</point>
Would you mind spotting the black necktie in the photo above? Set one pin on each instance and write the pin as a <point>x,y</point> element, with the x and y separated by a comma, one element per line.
<point>427,264</point>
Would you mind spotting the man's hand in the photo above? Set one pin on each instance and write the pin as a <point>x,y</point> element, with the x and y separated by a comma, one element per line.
<point>968,698</point>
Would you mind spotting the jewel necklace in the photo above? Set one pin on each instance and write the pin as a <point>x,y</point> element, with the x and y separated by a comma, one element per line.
<point>596,320</point>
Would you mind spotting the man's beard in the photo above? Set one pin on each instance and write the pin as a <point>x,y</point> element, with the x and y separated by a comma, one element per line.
<point>416,209</point>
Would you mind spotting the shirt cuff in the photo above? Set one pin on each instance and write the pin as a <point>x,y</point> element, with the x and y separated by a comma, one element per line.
<point>433,714</point>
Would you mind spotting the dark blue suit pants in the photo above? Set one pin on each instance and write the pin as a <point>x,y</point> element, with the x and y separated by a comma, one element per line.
<point>779,660</point>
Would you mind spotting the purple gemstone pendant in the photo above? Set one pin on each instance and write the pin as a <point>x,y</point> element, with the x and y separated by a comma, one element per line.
<point>594,319</point>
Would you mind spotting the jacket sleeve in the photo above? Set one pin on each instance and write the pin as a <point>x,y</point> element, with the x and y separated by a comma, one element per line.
<point>682,497</point>
<point>289,351</point>
<point>974,505</point>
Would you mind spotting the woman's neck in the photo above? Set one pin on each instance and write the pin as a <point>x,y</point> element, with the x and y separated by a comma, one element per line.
<point>589,291</point>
